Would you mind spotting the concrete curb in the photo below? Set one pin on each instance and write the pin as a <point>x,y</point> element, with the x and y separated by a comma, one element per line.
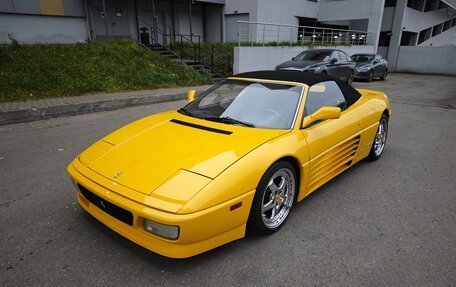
<point>32,113</point>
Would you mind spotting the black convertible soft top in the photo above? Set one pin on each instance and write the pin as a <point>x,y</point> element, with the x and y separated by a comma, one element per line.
<point>310,79</point>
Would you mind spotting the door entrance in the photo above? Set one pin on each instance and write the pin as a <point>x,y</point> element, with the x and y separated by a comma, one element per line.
<point>116,17</point>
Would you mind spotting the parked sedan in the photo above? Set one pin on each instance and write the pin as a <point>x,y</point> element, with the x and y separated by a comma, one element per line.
<point>370,66</point>
<point>335,63</point>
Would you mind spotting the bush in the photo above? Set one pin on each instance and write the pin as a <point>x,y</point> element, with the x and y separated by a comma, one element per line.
<point>42,71</point>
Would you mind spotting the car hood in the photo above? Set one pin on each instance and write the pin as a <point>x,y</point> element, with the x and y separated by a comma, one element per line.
<point>359,65</point>
<point>151,152</point>
<point>296,65</point>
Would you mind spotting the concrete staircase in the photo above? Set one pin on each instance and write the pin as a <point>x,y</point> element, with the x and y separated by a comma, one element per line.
<point>196,65</point>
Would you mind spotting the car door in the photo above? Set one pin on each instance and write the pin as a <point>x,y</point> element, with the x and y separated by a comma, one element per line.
<point>378,66</point>
<point>332,143</point>
<point>345,65</point>
<point>333,67</point>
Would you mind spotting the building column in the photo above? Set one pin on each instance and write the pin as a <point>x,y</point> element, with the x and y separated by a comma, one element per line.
<point>397,28</point>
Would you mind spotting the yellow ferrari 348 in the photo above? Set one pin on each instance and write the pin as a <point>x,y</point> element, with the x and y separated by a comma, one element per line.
<point>239,155</point>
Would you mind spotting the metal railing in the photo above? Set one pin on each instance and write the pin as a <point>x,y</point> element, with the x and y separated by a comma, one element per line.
<point>262,34</point>
<point>186,47</point>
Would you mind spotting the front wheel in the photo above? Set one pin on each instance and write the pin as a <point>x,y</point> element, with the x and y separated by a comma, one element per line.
<point>274,198</point>
<point>378,146</point>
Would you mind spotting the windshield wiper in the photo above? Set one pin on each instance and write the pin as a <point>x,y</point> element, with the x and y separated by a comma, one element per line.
<point>185,112</point>
<point>228,120</point>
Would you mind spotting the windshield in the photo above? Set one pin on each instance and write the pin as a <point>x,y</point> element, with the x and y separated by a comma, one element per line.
<point>313,55</point>
<point>254,104</point>
<point>362,58</point>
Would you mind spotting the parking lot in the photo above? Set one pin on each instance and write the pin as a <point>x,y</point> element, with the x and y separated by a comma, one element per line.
<point>390,222</point>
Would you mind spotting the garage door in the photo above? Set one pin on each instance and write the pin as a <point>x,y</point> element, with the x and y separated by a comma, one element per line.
<point>231,26</point>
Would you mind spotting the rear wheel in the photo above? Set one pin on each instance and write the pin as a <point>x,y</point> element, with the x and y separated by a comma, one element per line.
<point>383,77</point>
<point>378,146</point>
<point>274,198</point>
<point>350,77</point>
<point>370,77</point>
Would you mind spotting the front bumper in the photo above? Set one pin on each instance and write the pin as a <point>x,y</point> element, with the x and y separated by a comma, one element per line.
<point>362,74</point>
<point>199,231</point>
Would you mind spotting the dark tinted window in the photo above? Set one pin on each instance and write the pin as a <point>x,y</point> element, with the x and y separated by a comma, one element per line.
<point>390,3</point>
<point>324,94</point>
<point>362,58</point>
<point>342,56</point>
<point>314,55</point>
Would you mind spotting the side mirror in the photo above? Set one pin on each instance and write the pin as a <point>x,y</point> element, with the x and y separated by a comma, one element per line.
<point>334,60</point>
<point>376,62</point>
<point>323,113</point>
<point>293,58</point>
<point>191,95</point>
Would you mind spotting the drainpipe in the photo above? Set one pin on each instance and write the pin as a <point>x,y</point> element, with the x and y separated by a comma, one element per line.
<point>154,23</point>
<point>137,23</point>
<point>174,20</point>
<point>190,18</point>
<point>86,11</point>
<point>105,20</point>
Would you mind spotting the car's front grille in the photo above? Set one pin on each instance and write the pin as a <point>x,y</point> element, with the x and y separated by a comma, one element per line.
<point>108,207</point>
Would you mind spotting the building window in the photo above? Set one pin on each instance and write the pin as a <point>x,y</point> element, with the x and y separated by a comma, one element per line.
<point>390,3</point>
<point>447,25</point>
<point>416,4</point>
<point>385,38</point>
<point>408,38</point>
<point>437,30</point>
<point>424,35</point>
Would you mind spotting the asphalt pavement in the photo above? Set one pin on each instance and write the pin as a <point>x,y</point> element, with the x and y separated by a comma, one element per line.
<point>391,222</point>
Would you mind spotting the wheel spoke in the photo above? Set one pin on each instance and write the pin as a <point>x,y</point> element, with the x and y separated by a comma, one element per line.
<point>268,205</point>
<point>273,187</point>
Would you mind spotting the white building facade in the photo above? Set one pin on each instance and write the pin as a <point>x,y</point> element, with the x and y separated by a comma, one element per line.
<point>389,24</point>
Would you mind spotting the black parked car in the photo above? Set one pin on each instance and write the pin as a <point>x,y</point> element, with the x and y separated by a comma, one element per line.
<point>326,61</point>
<point>370,66</point>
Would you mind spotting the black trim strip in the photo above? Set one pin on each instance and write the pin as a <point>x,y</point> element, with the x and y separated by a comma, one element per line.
<point>201,127</point>
<point>108,207</point>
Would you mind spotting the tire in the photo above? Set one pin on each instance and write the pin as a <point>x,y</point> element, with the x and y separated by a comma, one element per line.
<point>378,145</point>
<point>370,77</point>
<point>350,78</point>
<point>271,206</point>
<point>383,77</point>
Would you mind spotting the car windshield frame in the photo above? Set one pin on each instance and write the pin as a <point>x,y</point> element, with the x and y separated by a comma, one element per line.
<point>193,110</point>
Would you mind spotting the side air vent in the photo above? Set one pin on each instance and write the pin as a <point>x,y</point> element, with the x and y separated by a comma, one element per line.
<point>335,161</point>
<point>204,128</point>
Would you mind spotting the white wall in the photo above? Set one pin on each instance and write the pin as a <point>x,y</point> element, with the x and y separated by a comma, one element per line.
<point>267,58</point>
<point>388,15</point>
<point>330,10</point>
<point>445,38</point>
<point>32,29</point>
<point>427,60</point>
<point>415,21</point>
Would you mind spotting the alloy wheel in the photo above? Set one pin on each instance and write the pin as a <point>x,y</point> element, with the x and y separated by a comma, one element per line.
<point>278,198</point>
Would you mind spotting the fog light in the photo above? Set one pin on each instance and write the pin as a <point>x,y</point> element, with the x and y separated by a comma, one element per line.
<point>75,184</point>
<point>162,230</point>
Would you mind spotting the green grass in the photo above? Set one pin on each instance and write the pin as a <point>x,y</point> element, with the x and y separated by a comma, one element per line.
<point>44,71</point>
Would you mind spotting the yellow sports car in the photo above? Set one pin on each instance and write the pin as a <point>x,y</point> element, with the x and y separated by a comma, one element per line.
<point>239,155</point>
